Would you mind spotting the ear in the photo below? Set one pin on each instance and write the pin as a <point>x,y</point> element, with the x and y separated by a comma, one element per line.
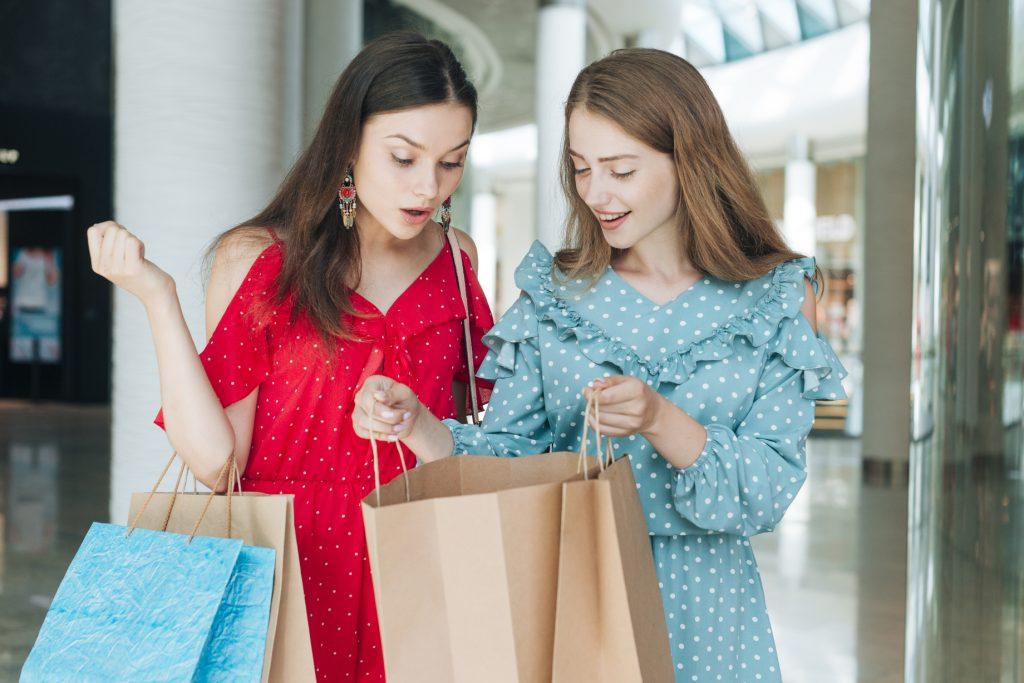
<point>810,306</point>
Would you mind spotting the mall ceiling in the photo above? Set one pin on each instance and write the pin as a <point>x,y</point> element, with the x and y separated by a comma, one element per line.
<point>496,38</point>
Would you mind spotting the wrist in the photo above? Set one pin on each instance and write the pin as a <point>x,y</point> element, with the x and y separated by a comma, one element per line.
<point>161,297</point>
<point>425,436</point>
<point>659,416</point>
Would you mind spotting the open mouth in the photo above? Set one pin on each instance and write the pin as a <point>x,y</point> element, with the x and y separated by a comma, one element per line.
<point>610,221</point>
<point>416,215</point>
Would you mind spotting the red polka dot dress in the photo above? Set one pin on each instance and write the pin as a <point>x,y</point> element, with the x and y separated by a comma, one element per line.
<point>303,442</point>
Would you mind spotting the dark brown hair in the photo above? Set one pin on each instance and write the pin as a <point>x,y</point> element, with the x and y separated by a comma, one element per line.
<point>663,101</point>
<point>397,71</point>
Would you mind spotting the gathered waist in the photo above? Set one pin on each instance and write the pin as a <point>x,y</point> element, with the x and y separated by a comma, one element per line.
<point>360,483</point>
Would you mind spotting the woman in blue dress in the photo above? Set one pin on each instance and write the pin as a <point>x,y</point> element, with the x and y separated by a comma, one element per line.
<point>676,298</point>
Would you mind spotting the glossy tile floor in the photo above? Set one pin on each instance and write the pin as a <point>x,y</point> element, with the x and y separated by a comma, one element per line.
<point>834,570</point>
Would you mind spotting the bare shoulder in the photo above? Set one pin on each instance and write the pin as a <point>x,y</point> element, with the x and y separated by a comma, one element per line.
<point>467,245</point>
<point>233,257</point>
<point>810,306</point>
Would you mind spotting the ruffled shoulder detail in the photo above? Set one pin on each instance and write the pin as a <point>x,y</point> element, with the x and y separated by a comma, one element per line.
<point>760,324</point>
<point>518,325</point>
<point>799,347</point>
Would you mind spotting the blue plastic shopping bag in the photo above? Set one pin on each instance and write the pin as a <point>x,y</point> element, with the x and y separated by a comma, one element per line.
<point>156,606</point>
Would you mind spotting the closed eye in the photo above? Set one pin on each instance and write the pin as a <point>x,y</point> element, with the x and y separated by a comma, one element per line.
<point>452,165</point>
<point>623,175</point>
<point>402,162</point>
<point>580,171</point>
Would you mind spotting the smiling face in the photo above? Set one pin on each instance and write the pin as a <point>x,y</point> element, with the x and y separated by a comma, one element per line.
<point>631,188</point>
<point>408,162</point>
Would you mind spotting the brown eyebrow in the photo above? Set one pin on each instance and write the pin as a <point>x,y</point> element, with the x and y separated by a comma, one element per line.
<point>421,147</point>
<point>603,160</point>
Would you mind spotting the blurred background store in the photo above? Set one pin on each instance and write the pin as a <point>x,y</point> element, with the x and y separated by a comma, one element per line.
<point>887,141</point>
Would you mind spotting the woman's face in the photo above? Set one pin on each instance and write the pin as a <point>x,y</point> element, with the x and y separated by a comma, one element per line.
<point>631,188</point>
<point>409,162</point>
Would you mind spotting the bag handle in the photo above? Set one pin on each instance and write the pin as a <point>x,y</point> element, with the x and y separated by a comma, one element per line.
<point>186,470</point>
<point>603,460</point>
<point>467,335</point>
<point>467,339</point>
<point>376,462</point>
<point>230,468</point>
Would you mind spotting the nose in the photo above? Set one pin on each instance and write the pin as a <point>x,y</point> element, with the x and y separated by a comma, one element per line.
<point>426,187</point>
<point>594,192</point>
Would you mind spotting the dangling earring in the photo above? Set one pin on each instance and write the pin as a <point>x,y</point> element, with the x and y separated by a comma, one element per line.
<point>347,201</point>
<point>446,214</point>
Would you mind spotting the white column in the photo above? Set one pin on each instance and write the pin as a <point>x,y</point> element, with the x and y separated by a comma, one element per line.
<point>334,34</point>
<point>198,138</point>
<point>561,53</point>
<point>515,194</point>
<point>800,208</point>
<point>484,220</point>
<point>293,87</point>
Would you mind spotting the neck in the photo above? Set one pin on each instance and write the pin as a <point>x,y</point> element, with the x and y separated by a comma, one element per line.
<point>660,253</point>
<point>374,238</point>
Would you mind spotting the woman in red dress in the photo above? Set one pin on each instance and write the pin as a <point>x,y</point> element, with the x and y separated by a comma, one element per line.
<point>344,275</point>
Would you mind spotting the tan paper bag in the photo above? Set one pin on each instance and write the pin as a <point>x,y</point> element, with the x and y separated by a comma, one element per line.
<point>610,622</point>
<point>516,569</point>
<point>259,520</point>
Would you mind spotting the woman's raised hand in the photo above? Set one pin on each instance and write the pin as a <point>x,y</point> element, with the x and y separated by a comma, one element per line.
<point>385,407</point>
<point>120,257</point>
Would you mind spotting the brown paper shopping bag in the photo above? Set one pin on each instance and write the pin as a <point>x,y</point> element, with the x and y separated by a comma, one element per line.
<point>257,519</point>
<point>610,623</point>
<point>468,556</point>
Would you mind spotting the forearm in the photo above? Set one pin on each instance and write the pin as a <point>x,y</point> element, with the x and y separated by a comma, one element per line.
<point>196,423</point>
<point>429,438</point>
<point>676,436</point>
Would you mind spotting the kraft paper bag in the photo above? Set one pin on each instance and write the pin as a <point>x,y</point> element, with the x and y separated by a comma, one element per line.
<point>610,622</point>
<point>516,569</point>
<point>258,520</point>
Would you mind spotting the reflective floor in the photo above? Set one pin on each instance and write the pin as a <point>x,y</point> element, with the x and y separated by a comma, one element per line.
<point>54,482</point>
<point>833,570</point>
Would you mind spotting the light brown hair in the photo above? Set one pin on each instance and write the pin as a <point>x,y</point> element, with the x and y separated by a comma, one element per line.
<point>663,101</point>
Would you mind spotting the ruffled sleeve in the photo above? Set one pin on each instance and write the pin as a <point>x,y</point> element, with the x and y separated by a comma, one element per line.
<point>237,357</point>
<point>515,422</point>
<point>744,479</point>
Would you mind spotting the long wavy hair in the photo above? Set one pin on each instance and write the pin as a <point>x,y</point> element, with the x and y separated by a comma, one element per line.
<point>663,101</point>
<point>321,260</point>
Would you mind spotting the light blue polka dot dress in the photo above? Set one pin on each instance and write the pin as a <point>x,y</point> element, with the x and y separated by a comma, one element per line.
<point>739,358</point>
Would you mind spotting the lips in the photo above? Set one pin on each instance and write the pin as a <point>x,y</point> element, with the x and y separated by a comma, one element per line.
<point>610,221</point>
<point>416,215</point>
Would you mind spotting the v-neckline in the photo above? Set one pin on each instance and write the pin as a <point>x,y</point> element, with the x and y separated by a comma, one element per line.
<point>384,314</point>
<point>651,302</point>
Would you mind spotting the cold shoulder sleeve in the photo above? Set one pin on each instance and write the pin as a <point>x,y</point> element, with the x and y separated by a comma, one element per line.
<point>516,420</point>
<point>237,357</point>
<point>745,478</point>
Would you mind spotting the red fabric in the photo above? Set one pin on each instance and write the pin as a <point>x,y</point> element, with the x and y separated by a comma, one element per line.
<point>303,441</point>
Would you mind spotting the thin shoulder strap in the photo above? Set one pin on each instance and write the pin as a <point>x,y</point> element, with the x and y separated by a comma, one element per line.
<point>460,275</point>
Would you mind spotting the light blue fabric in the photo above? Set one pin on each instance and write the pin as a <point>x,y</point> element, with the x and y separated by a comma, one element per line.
<point>739,358</point>
<point>152,606</point>
<point>234,651</point>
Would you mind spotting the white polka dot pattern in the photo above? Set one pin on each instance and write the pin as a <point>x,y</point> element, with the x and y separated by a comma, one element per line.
<point>738,357</point>
<point>303,443</point>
